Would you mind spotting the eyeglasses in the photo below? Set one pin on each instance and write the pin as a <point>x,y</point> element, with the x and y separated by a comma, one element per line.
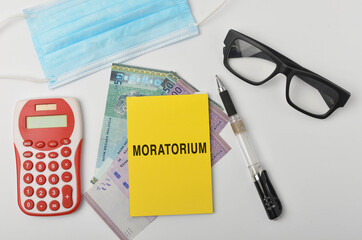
<point>256,63</point>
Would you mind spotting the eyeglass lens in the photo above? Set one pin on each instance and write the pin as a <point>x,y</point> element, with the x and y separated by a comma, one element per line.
<point>250,62</point>
<point>311,95</point>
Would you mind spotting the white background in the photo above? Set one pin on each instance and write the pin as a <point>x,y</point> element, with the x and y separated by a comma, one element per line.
<point>315,165</point>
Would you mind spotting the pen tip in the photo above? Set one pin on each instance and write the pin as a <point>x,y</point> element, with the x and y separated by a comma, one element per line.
<point>217,78</point>
<point>220,85</point>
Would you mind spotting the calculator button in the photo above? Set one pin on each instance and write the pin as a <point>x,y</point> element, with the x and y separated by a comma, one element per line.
<point>27,154</point>
<point>54,205</point>
<point>52,144</point>
<point>53,166</point>
<point>41,192</point>
<point>53,155</point>
<point>66,164</point>
<point>41,206</point>
<point>28,178</point>
<point>40,166</point>
<point>54,192</point>
<point>40,155</point>
<point>66,177</point>
<point>65,141</point>
<point>28,165</point>
<point>67,196</point>
<point>27,143</point>
<point>28,191</point>
<point>65,151</point>
<point>29,204</point>
<point>53,179</point>
<point>40,179</point>
<point>40,144</point>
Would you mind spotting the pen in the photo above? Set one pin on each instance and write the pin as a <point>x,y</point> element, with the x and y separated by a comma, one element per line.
<point>268,196</point>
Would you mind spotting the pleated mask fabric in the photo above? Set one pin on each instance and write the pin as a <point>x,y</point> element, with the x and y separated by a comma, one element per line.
<point>75,38</point>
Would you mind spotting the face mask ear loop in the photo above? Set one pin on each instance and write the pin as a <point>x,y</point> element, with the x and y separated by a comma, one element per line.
<point>24,78</point>
<point>11,18</point>
<point>15,77</point>
<point>212,13</point>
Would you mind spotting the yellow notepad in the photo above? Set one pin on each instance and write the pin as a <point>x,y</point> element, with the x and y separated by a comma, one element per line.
<point>169,155</point>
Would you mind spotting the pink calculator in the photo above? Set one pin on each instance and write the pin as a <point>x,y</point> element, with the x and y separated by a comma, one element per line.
<point>48,140</point>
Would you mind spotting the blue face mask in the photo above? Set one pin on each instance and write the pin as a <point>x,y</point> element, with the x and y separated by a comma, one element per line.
<point>75,38</point>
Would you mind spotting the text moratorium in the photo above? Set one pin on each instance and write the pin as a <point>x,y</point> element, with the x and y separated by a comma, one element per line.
<point>169,158</point>
<point>162,149</point>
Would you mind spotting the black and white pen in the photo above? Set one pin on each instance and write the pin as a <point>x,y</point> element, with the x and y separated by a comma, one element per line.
<point>268,196</point>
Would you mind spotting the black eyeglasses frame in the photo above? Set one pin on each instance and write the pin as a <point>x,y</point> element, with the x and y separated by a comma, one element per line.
<point>284,66</point>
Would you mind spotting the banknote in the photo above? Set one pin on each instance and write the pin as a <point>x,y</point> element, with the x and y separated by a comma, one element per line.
<point>179,86</point>
<point>218,119</point>
<point>109,195</point>
<point>176,76</point>
<point>134,81</point>
<point>110,192</point>
<point>125,81</point>
<point>113,207</point>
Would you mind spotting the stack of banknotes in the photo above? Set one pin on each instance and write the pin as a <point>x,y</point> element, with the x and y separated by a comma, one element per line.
<point>109,194</point>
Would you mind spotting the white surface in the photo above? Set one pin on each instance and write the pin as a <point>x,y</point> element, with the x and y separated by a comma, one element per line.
<point>314,164</point>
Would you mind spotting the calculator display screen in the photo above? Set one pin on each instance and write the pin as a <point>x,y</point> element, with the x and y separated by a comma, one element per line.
<point>46,121</point>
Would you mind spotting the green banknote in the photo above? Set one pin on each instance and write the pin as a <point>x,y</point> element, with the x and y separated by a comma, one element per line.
<point>125,81</point>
